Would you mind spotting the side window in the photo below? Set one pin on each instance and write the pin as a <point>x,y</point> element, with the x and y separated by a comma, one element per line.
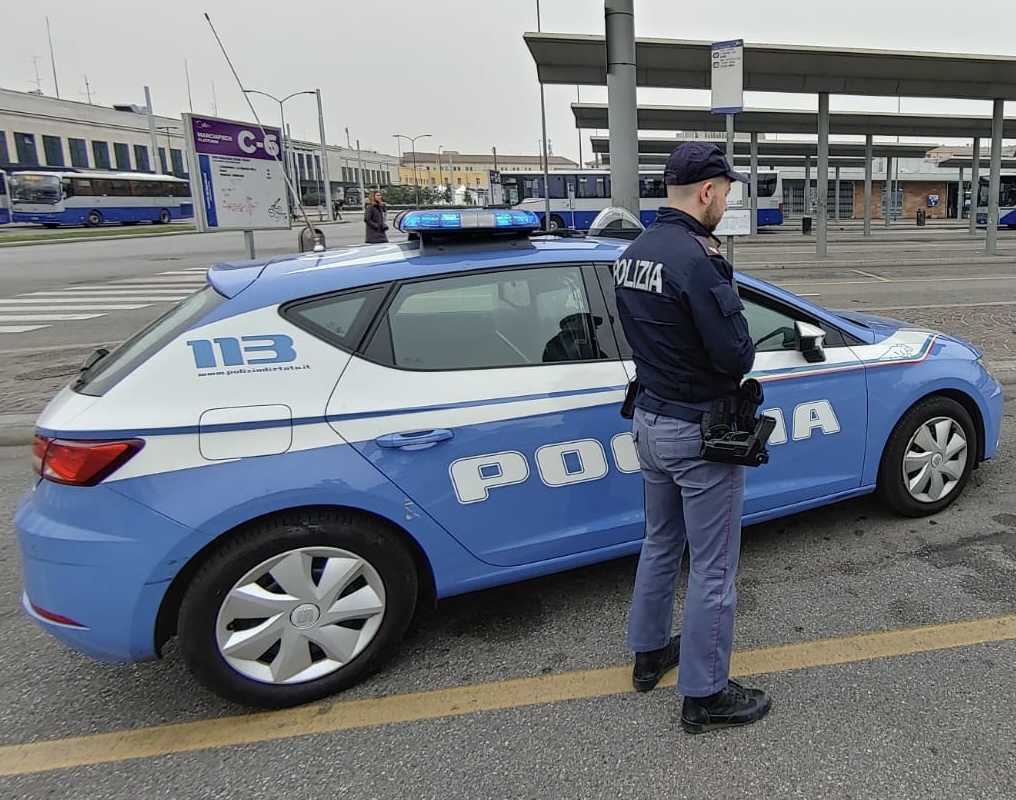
<point>605,277</point>
<point>770,330</point>
<point>505,319</point>
<point>341,319</point>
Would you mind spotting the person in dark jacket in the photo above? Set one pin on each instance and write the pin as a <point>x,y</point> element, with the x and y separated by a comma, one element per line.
<point>374,217</point>
<point>681,313</point>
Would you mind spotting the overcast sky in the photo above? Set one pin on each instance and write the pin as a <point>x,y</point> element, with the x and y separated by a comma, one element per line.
<point>457,69</point>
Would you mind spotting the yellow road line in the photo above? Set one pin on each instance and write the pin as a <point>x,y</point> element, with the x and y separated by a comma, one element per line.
<point>165,740</point>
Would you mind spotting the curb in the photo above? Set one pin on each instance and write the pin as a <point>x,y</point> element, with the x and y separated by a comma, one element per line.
<point>118,237</point>
<point>17,430</point>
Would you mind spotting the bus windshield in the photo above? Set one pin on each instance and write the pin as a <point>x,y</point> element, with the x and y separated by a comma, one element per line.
<point>35,189</point>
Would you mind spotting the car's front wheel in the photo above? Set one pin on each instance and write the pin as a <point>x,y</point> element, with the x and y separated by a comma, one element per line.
<point>298,607</point>
<point>928,458</point>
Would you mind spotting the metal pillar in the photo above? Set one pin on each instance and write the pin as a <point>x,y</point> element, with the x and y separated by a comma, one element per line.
<point>868,147</point>
<point>887,192</point>
<point>994,177</point>
<point>836,200</point>
<point>545,148</point>
<point>730,160</point>
<point>822,244</point>
<point>807,185</point>
<point>975,178</point>
<point>325,175</point>
<point>151,133</point>
<point>754,184</point>
<point>959,198</point>
<point>621,105</point>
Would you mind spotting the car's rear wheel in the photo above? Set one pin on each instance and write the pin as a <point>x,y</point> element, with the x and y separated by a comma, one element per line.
<point>928,458</point>
<point>298,607</point>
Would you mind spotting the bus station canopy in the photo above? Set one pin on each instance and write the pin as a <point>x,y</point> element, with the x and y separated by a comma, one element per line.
<point>601,144</point>
<point>967,162</point>
<point>682,64</point>
<point>761,120</point>
<point>654,161</point>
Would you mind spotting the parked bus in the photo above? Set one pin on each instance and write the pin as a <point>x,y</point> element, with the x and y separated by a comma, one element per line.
<point>1006,201</point>
<point>80,197</point>
<point>5,208</point>
<point>577,197</point>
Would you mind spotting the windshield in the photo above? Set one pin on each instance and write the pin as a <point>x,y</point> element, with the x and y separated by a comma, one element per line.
<point>35,189</point>
<point>108,370</point>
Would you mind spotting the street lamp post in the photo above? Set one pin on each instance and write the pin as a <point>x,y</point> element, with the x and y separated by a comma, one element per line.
<point>412,140</point>
<point>297,201</point>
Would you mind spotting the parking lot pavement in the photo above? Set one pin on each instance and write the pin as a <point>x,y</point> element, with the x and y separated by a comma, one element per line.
<point>833,618</point>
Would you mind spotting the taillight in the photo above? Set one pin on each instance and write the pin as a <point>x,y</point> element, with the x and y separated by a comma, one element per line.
<point>80,463</point>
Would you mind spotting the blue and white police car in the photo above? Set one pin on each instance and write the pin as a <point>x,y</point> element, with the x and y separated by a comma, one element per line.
<point>286,466</point>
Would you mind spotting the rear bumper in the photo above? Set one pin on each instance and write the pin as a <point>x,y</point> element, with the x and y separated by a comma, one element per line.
<point>100,560</point>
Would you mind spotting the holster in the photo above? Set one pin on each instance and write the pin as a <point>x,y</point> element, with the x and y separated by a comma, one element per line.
<point>731,433</point>
<point>628,406</point>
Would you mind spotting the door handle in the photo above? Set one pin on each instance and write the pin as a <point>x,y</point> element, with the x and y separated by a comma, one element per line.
<point>414,440</point>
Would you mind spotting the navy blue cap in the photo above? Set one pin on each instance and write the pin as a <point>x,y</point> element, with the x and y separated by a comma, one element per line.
<point>693,162</point>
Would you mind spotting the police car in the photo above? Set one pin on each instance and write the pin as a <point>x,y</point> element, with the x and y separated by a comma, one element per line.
<point>290,463</point>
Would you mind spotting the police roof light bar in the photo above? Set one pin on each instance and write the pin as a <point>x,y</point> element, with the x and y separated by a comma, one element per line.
<point>467,221</point>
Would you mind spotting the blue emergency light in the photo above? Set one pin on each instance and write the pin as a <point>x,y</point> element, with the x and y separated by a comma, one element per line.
<point>467,220</point>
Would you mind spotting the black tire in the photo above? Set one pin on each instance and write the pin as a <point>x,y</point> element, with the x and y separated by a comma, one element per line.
<point>893,486</point>
<point>94,219</point>
<point>51,225</point>
<point>165,217</point>
<point>556,222</point>
<point>379,546</point>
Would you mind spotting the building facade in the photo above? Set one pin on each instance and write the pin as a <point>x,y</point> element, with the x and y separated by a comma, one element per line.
<point>40,131</point>
<point>470,170</point>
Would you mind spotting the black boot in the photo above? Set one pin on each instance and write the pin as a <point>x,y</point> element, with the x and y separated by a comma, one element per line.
<point>729,708</point>
<point>654,664</point>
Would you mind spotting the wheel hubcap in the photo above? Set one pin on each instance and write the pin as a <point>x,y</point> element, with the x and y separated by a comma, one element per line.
<point>935,459</point>
<point>300,615</point>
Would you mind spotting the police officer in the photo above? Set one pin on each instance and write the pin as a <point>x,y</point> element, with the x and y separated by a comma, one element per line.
<point>682,316</point>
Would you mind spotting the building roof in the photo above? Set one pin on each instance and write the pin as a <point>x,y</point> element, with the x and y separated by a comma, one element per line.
<point>485,158</point>
<point>684,64</point>
<point>762,120</point>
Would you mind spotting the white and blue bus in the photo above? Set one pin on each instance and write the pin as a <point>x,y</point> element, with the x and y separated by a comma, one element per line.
<point>81,197</point>
<point>577,197</point>
<point>1006,201</point>
<point>5,206</point>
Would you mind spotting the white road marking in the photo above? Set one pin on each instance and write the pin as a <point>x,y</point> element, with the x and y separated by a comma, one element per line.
<point>21,328</point>
<point>46,317</point>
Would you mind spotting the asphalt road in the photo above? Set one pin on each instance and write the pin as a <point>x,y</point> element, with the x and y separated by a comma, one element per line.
<point>935,721</point>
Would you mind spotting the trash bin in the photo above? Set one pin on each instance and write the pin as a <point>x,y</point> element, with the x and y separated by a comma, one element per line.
<point>305,239</point>
<point>921,216</point>
<point>806,225</point>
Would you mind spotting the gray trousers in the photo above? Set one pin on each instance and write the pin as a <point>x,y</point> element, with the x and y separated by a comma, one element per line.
<point>698,503</point>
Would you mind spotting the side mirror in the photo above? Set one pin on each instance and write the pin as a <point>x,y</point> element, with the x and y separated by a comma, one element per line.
<point>810,341</point>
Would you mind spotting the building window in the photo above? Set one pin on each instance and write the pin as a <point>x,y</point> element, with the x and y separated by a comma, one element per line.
<point>141,158</point>
<point>345,175</point>
<point>162,161</point>
<point>100,151</point>
<point>122,152</point>
<point>176,157</point>
<point>52,146</point>
<point>25,146</point>
<point>5,156</point>
<point>318,175</point>
<point>79,153</point>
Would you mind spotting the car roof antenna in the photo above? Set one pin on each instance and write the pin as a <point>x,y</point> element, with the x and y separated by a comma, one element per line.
<point>319,244</point>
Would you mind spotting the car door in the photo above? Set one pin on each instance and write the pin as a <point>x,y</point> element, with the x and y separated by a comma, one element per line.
<point>491,399</point>
<point>816,451</point>
<point>821,408</point>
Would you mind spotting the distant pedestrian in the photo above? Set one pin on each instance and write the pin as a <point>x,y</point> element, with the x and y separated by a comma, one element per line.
<point>374,218</point>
